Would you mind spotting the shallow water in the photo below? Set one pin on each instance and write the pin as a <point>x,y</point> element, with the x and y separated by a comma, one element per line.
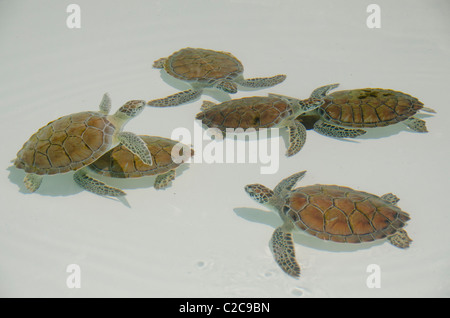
<point>203,236</point>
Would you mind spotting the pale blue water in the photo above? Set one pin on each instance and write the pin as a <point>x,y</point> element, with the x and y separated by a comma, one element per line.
<point>204,237</point>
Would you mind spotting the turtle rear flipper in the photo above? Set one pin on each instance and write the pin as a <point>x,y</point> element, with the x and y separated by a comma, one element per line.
<point>416,124</point>
<point>284,253</point>
<point>163,180</point>
<point>176,99</point>
<point>400,239</point>
<point>32,181</point>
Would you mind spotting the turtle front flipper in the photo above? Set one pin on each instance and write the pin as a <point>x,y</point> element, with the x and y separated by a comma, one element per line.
<point>331,130</point>
<point>416,124</point>
<point>262,81</point>
<point>105,104</point>
<point>32,181</point>
<point>136,145</point>
<point>284,253</point>
<point>95,186</point>
<point>321,92</point>
<point>297,138</point>
<point>288,183</point>
<point>163,180</point>
<point>176,99</point>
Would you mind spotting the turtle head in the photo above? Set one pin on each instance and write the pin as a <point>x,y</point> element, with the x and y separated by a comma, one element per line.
<point>317,98</point>
<point>310,104</point>
<point>132,108</point>
<point>259,193</point>
<point>129,110</point>
<point>301,106</point>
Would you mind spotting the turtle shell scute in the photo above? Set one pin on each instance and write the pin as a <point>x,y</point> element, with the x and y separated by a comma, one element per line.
<point>120,162</point>
<point>192,64</point>
<point>247,112</point>
<point>342,214</point>
<point>68,143</point>
<point>371,107</point>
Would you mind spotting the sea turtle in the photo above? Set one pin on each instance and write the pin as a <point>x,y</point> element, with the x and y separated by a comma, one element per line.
<point>264,112</point>
<point>74,141</point>
<point>329,212</point>
<point>343,113</point>
<point>120,162</point>
<point>206,68</point>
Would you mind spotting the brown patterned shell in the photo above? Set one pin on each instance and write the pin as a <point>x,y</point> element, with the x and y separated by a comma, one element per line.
<point>119,162</point>
<point>369,107</point>
<point>342,214</point>
<point>68,143</point>
<point>247,112</point>
<point>202,65</point>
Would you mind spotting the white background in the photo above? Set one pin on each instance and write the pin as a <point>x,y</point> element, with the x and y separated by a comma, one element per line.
<point>204,237</point>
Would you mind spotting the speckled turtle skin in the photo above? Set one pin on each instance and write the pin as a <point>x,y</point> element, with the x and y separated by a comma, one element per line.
<point>200,65</point>
<point>342,214</point>
<point>119,162</point>
<point>248,112</point>
<point>65,144</point>
<point>370,107</point>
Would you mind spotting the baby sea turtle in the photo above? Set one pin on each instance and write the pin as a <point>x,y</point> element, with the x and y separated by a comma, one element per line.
<point>343,113</point>
<point>329,212</point>
<point>264,112</point>
<point>203,69</point>
<point>120,162</point>
<point>74,141</point>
